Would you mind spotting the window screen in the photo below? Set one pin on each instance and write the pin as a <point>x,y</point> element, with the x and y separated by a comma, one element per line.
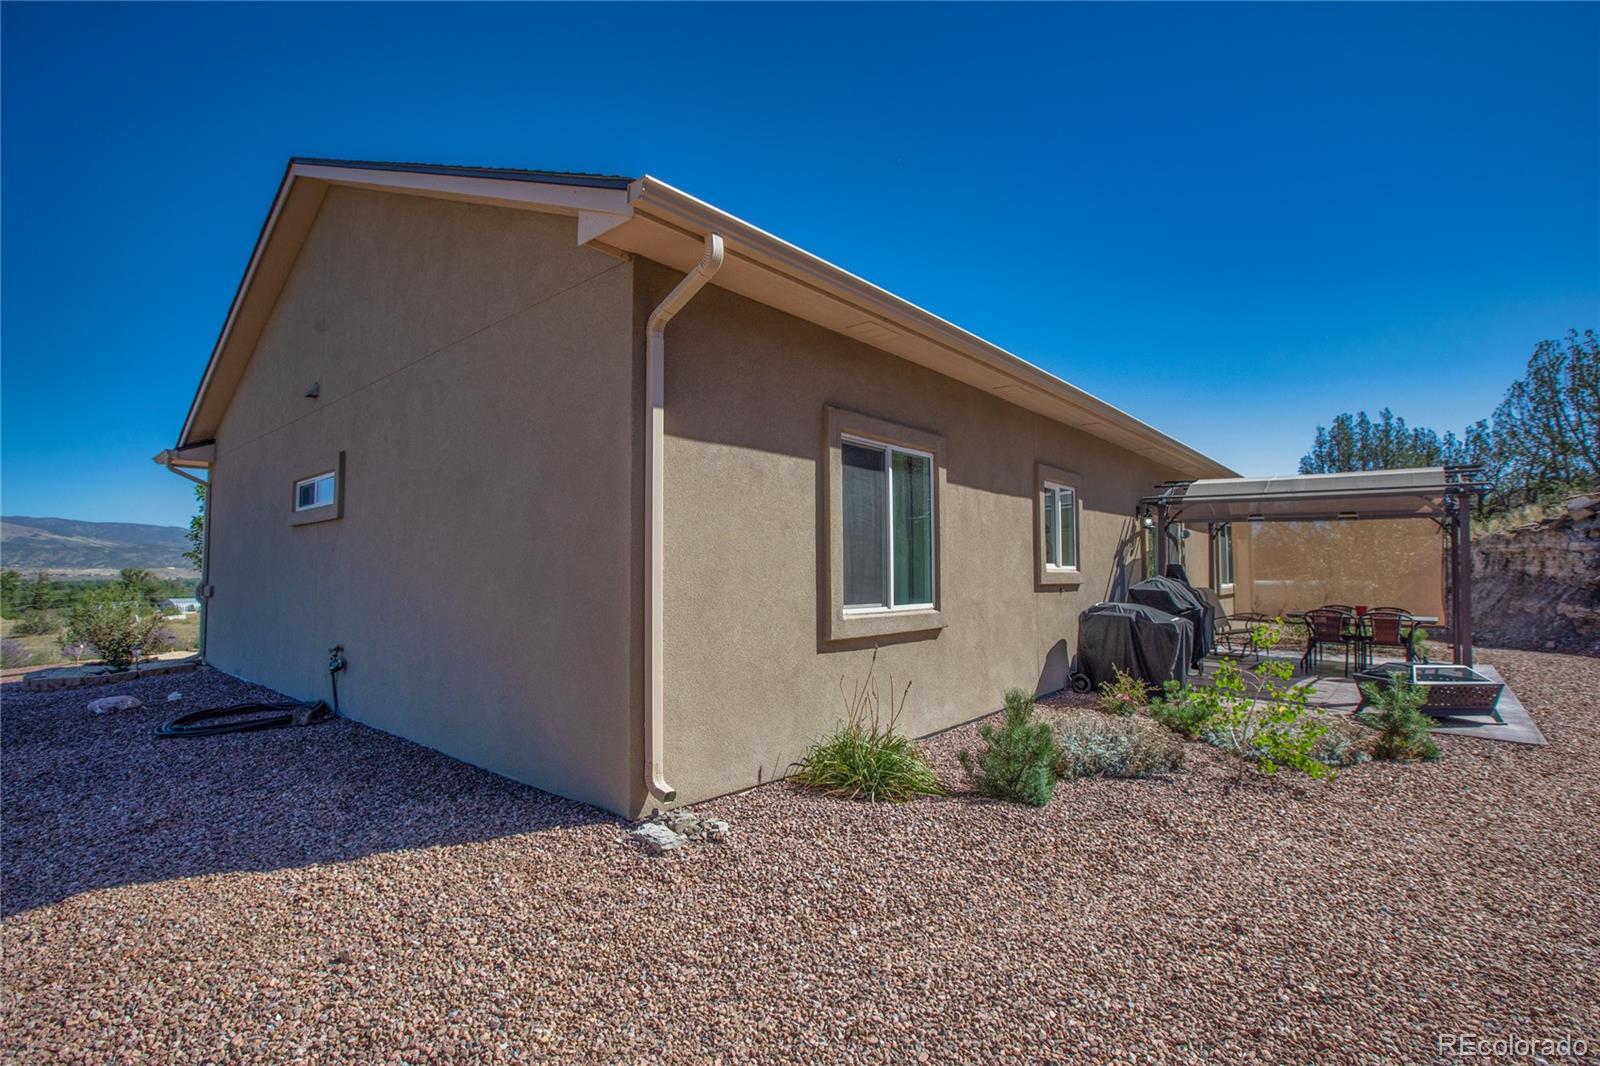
<point>888,526</point>
<point>866,497</point>
<point>1061,527</point>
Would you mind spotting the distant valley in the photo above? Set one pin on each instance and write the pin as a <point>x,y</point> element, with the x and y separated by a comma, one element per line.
<point>71,549</point>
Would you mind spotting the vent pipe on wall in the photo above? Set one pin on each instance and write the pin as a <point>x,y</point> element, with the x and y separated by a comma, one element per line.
<point>655,349</point>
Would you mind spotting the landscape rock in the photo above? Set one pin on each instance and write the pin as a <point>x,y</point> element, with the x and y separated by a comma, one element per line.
<point>174,697</point>
<point>115,703</point>
<point>657,839</point>
<point>671,831</point>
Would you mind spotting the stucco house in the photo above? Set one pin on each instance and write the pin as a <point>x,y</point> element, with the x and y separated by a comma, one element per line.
<point>604,489</point>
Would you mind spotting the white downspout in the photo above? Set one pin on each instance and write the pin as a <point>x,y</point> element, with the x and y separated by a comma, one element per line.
<point>202,590</point>
<point>655,350</point>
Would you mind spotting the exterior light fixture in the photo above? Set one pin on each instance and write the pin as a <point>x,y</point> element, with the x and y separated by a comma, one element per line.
<point>1347,514</point>
<point>1254,518</point>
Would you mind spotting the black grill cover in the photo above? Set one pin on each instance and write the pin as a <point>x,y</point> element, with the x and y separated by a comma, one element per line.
<point>1174,597</point>
<point>1150,644</point>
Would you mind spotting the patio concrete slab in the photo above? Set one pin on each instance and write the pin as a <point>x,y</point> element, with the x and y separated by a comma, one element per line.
<point>1338,694</point>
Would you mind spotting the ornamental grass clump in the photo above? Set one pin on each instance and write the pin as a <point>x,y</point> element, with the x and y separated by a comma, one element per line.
<point>1402,727</point>
<point>866,757</point>
<point>1123,695</point>
<point>1019,756</point>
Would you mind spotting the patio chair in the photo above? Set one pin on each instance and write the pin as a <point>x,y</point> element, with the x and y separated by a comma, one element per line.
<point>1389,627</point>
<point>1327,626</point>
<point>1232,635</point>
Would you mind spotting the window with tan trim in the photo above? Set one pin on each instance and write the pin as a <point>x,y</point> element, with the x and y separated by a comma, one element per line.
<point>318,496</point>
<point>881,514</point>
<point>1058,526</point>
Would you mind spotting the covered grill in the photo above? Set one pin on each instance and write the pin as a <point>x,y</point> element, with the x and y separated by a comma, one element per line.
<point>1175,597</point>
<point>1142,641</point>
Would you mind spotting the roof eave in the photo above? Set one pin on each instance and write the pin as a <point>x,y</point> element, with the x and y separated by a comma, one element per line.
<point>661,198</point>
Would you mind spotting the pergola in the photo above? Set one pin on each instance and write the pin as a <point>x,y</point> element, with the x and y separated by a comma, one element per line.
<point>1443,494</point>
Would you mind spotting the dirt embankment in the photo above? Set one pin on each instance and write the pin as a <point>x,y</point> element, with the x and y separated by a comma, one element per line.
<point>1538,586</point>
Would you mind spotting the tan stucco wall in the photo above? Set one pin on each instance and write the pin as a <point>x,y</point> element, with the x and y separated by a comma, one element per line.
<point>477,369</point>
<point>749,679</point>
<point>1286,567</point>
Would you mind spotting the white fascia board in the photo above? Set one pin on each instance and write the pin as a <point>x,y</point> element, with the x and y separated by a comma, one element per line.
<point>503,191</point>
<point>757,245</point>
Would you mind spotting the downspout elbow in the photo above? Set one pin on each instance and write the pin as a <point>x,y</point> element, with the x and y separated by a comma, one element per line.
<point>654,513</point>
<point>169,460</point>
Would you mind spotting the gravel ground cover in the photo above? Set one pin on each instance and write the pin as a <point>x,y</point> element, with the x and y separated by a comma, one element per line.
<point>333,893</point>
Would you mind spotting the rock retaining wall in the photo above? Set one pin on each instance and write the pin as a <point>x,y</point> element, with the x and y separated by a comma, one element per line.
<point>1538,586</point>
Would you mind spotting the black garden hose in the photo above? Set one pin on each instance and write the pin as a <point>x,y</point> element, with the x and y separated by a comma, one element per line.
<point>203,724</point>
<point>206,723</point>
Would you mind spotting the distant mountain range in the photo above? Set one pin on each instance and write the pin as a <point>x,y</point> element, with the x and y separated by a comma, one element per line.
<point>65,546</point>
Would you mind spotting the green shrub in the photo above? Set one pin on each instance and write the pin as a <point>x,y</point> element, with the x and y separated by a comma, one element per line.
<point>1018,760</point>
<point>34,624</point>
<point>1123,695</point>
<point>1257,715</point>
<point>865,757</point>
<point>1095,747</point>
<point>1265,719</point>
<point>14,653</point>
<point>112,624</point>
<point>1185,711</point>
<point>1345,743</point>
<point>1402,727</point>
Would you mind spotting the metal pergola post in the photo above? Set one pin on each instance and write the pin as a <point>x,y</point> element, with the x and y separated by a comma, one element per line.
<point>1161,540</point>
<point>1461,577</point>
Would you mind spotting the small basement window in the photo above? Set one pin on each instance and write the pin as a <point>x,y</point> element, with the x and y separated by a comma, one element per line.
<point>316,491</point>
<point>320,497</point>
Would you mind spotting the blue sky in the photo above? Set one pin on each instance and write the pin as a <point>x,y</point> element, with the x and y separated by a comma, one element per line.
<point>1232,221</point>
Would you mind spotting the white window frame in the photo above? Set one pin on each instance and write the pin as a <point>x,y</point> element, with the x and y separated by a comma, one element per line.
<point>1223,534</point>
<point>330,476</point>
<point>1052,493</point>
<point>888,514</point>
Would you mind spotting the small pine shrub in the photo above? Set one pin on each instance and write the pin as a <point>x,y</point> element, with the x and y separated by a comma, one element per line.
<point>1122,696</point>
<point>14,653</point>
<point>1402,727</point>
<point>1095,747</point>
<point>1018,760</point>
<point>866,757</point>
